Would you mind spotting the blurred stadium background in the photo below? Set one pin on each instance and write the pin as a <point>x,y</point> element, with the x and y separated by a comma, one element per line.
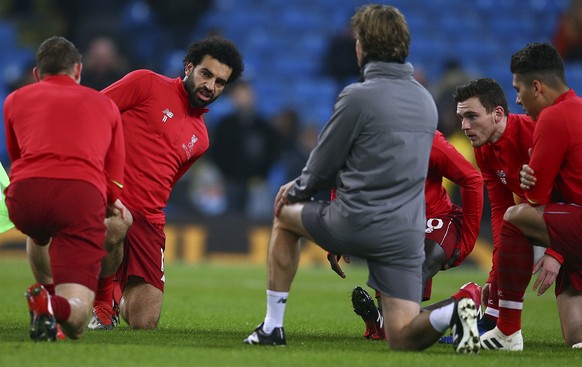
<point>284,44</point>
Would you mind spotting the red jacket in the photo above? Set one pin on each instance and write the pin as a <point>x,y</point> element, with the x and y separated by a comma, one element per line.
<point>445,161</point>
<point>557,152</point>
<point>164,137</point>
<point>500,163</point>
<point>57,128</point>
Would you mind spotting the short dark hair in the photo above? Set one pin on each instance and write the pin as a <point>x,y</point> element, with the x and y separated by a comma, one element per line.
<point>382,31</point>
<point>219,48</point>
<point>539,61</point>
<point>488,91</point>
<point>56,55</point>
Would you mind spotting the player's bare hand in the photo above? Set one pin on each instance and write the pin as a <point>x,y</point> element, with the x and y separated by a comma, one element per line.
<point>527,178</point>
<point>485,291</point>
<point>549,271</point>
<point>281,198</point>
<point>116,209</point>
<point>334,262</point>
<point>452,260</point>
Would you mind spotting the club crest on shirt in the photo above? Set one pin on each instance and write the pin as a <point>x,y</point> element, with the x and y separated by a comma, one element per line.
<point>167,114</point>
<point>502,176</point>
<point>189,146</point>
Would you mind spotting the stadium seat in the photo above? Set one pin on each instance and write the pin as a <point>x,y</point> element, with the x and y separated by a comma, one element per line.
<point>7,35</point>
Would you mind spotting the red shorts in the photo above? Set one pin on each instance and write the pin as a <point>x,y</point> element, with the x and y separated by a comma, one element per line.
<point>71,212</point>
<point>564,223</point>
<point>446,230</point>
<point>143,252</point>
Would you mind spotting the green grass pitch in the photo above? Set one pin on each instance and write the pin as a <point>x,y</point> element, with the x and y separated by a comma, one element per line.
<point>209,309</point>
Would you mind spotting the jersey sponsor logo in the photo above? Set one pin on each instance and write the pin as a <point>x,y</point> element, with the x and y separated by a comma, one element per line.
<point>502,176</point>
<point>188,147</point>
<point>167,114</point>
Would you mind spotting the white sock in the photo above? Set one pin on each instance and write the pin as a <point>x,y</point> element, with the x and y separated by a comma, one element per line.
<point>276,302</point>
<point>440,318</point>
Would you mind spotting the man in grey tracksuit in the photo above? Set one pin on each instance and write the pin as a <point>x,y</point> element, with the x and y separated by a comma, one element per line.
<point>374,150</point>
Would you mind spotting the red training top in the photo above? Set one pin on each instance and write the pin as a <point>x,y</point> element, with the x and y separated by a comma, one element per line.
<point>446,161</point>
<point>500,163</point>
<point>557,152</point>
<point>57,128</point>
<point>164,137</point>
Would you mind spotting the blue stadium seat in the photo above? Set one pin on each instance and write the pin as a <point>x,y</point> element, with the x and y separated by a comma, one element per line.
<point>271,96</point>
<point>7,35</point>
<point>574,76</point>
<point>15,62</point>
<point>140,24</point>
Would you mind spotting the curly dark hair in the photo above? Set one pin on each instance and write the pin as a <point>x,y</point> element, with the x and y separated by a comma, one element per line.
<point>219,48</point>
<point>488,91</point>
<point>539,61</point>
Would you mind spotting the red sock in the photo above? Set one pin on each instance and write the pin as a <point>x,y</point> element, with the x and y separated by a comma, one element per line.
<point>104,294</point>
<point>493,301</point>
<point>61,308</point>
<point>117,292</point>
<point>50,287</point>
<point>514,267</point>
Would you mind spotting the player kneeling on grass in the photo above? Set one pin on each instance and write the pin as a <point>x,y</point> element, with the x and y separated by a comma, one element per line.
<point>553,173</point>
<point>375,151</point>
<point>66,145</point>
<point>165,118</point>
<point>450,234</point>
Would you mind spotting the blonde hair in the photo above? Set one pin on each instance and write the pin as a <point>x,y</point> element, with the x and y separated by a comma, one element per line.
<point>382,31</point>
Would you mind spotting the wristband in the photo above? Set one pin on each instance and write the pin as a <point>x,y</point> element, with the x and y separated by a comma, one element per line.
<point>555,255</point>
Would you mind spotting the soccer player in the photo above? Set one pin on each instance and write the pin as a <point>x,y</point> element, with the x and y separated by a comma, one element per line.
<point>552,216</point>
<point>66,145</point>
<point>163,119</point>
<point>375,151</point>
<point>451,231</point>
<point>501,141</point>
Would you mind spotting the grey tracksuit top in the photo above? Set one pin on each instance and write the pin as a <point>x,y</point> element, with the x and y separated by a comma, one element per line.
<point>374,150</point>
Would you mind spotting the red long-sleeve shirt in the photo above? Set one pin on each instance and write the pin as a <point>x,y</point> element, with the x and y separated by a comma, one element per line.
<point>500,163</point>
<point>557,152</point>
<point>57,128</point>
<point>446,161</point>
<point>164,137</point>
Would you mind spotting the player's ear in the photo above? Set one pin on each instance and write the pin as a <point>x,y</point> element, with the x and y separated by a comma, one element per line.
<point>499,113</point>
<point>188,69</point>
<point>77,72</point>
<point>36,74</point>
<point>537,87</point>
